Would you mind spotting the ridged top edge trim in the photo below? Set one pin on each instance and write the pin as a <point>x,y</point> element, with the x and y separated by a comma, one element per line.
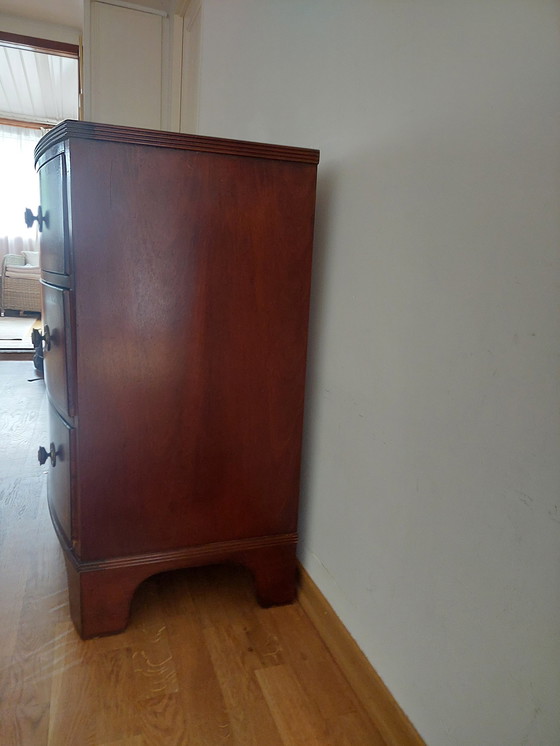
<point>156,138</point>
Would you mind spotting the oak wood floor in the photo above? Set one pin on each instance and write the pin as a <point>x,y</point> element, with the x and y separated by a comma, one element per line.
<point>200,664</point>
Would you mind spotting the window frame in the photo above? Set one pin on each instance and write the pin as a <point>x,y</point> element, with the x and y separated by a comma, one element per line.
<point>41,46</point>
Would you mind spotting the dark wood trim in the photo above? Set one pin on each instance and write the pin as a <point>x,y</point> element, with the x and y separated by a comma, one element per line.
<point>27,125</point>
<point>41,46</point>
<point>157,138</point>
<point>189,557</point>
<point>34,44</point>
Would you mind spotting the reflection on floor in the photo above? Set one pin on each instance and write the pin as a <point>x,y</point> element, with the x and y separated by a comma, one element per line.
<point>15,334</point>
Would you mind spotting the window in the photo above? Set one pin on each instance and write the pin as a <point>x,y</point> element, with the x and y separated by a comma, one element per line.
<point>39,87</point>
<point>19,187</point>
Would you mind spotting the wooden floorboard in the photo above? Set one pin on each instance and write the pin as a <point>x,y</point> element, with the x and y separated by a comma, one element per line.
<point>200,664</point>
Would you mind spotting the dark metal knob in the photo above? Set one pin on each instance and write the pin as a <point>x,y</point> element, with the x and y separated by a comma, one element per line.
<point>43,455</point>
<point>37,337</point>
<point>40,218</point>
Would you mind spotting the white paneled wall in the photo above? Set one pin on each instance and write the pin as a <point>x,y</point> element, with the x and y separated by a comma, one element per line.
<point>141,63</point>
<point>191,67</point>
<point>124,65</point>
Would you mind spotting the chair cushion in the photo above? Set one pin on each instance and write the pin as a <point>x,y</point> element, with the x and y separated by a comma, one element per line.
<point>31,257</point>
<point>23,272</point>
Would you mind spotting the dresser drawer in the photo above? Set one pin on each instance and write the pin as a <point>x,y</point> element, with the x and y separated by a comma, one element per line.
<point>55,255</point>
<point>60,473</point>
<point>58,348</point>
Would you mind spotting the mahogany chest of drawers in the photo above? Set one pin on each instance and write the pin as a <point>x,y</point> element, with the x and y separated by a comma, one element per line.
<point>176,277</point>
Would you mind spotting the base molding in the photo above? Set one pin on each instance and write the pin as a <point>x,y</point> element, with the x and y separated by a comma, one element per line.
<point>376,699</point>
<point>100,592</point>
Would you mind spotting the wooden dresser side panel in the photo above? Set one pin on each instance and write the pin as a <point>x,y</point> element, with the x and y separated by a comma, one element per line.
<point>192,275</point>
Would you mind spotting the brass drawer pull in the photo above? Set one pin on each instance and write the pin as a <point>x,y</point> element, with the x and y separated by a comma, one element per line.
<point>43,454</point>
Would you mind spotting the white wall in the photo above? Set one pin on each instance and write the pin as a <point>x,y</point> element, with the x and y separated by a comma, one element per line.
<point>431,506</point>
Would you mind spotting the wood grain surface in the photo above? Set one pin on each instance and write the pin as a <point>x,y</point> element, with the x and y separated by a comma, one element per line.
<point>176,282</point>
<point>200,663</point>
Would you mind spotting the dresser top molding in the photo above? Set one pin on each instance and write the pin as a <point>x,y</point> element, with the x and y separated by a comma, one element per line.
<point>157,138</point>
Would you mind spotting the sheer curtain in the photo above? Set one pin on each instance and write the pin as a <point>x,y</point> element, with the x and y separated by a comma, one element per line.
<point>19,188</point>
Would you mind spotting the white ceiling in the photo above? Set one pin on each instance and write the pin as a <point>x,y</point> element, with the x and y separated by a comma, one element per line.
<point>60,12</point>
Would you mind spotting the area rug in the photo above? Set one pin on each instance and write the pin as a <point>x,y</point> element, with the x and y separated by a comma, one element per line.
<point>16,329</point>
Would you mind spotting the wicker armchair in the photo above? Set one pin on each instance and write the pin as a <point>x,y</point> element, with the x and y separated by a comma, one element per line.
<point>20,285</point>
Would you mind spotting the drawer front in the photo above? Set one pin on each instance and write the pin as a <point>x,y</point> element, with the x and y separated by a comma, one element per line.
<point>60,474</point>
<point>58,368</point>
<point>55,255</point>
